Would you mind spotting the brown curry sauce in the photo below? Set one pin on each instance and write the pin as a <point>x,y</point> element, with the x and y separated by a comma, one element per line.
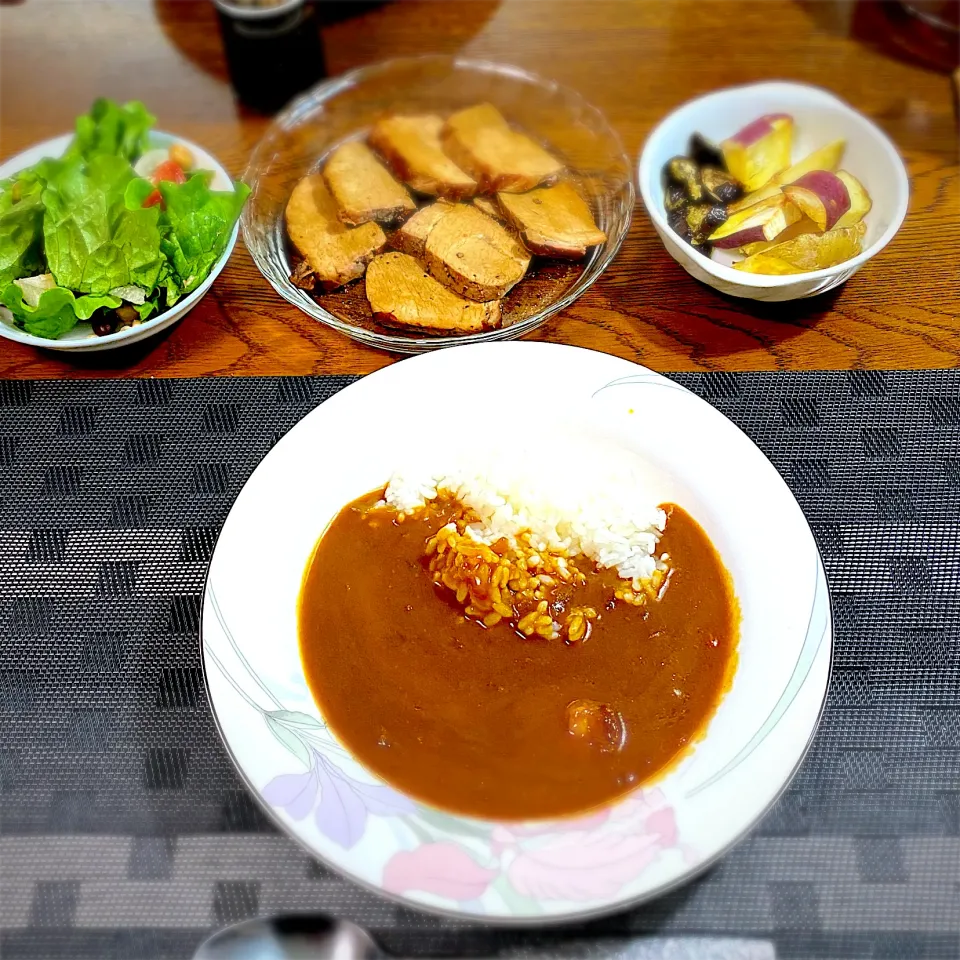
<point>474,720</point>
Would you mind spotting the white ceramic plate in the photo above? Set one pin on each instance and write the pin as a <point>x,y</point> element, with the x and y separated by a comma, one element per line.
<point>819,118</point>
<point>82,338</point>
<point>654,839</point>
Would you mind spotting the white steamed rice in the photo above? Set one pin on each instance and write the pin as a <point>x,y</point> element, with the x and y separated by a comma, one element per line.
<point>613,521</point>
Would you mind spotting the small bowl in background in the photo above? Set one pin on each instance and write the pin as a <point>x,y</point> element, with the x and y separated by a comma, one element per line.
<point>819,117</point>
<point>311,126</point>
<point>82,339</point>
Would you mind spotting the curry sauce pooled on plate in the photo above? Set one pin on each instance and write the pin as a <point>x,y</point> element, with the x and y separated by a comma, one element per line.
<point>505,658</point>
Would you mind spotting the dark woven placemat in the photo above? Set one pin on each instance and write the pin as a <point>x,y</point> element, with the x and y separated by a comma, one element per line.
<point>126,832</point>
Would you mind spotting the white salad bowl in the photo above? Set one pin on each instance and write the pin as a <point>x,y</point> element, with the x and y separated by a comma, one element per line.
<point>82,339</point>
<point>611,413</point>
<point>819,118</point>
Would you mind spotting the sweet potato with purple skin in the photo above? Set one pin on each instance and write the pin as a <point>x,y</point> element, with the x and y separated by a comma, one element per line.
<point>821,195</point>
<point>759,128</point>
<point>764,193</point>
<point>798,229</point>
<point>768,265</point>
<point>860,202</point>
<point>761,150</point>
<point>824,158</point>
<point>762,221</point>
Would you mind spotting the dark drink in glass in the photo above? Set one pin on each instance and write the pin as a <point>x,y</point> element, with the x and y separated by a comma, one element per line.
<point>936,33</point>
<point>940,14</point>
<point>273,49</point>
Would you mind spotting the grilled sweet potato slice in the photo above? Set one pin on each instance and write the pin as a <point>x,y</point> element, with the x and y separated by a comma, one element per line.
<point>474,255</point>
<point>402,294</point>
<point>500,158</point>
<point>553,221</point>
<point>411,145</point>
<point>335,253</point>
<point>363,187</point>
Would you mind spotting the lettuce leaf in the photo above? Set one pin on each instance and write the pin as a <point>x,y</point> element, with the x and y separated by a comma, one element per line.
<point>168,285</point>
<point>31,180</point>
<point>57,311</point>
<point>93,241</point>
<point>147,308</point>
<point>21,235</point>
<point>111,130</point>
<point>21,221</point>
<point>196,224</point>
<point>137,191</point>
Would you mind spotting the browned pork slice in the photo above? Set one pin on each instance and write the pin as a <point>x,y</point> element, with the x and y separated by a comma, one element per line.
<point>402,294</point>
<point>474,255</point>
<point>411,145</point>
<point>334,253</point>
<point>553,221</point>
<point>488,206</point>
<point>412,236</point>
<point>498,157</point>
<point>363,187</point>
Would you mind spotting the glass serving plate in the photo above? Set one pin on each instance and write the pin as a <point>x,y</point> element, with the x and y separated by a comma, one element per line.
<point>312,125</point>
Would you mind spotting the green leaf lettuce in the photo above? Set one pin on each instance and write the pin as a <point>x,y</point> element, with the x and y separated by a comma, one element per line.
<point>196,224</point>
<point>56,312</point>
<point>109,129</point>
<point>21,236</point>
<point>93,241</point>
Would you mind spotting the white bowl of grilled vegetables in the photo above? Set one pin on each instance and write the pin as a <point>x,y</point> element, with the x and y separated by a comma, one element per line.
<point>772,191</point>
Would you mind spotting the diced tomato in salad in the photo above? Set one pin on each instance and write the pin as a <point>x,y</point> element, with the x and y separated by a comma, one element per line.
<point>169,171</point>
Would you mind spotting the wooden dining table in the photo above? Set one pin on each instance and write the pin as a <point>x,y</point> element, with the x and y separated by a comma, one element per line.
<point>125,828</point>
<point>634,59</point>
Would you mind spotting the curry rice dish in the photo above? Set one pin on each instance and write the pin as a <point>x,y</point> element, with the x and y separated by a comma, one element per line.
<point>507,658</point>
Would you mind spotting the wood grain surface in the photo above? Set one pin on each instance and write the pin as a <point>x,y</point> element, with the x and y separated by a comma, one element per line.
<point>634,59</point>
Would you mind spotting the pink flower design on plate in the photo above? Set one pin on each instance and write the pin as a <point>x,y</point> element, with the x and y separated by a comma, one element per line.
<point>506,835</point>
<point>647,810</point>
<point>442,868</point>
<point>596,863</point>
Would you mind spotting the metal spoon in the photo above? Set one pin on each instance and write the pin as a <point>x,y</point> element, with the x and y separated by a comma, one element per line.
<point>294,937</point>
<point>318,937</point>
